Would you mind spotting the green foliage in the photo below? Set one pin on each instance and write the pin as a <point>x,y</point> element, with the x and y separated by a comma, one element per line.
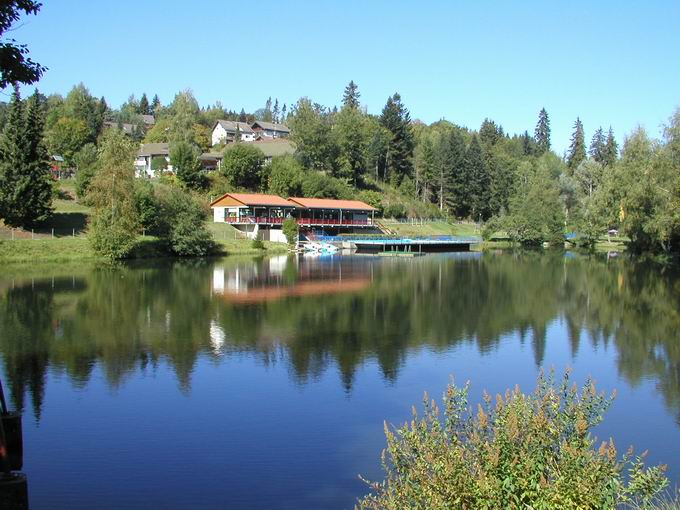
<point>291,230</point>
<point>184,160</point>
<point>311,132</point>
<point>67,137</point>
<point>372,198</point>
<point>242,165</point>
<point>257,243</point>
<point>520,451</point>
<point>158,165</point>
<point>536,215</point>
<point>147,205</point>
<point>394,210</point>
<point>542,133</point>
<point>15,65</point>
<point>114,224</point>
<point>25,184</point>
<point>181,224</point>
<point>85,162</point>
<point>479,184</point>
<point>397,120</point>
<point>577,149</point>
<point>285,176</point>
<point>319,185</point>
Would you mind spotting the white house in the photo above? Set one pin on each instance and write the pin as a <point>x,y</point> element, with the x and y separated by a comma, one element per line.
<point>270,130</point>
<point>145,156</point>
<point>224,131</point>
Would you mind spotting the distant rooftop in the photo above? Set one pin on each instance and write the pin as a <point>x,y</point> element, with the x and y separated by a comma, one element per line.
<point>271,126</point>
<point>232,125</point>
<point>154,149</point>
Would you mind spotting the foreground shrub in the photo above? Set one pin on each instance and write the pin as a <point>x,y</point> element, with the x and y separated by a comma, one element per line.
<point>521,452</point>
<point>182,224</point>
<point>291,230</point>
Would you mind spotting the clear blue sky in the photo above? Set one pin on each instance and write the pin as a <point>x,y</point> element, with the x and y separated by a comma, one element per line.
<point>609,62</point>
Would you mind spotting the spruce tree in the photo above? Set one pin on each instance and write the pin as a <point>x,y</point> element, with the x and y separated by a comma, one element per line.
<point>267,115</point>
<point>454,181</point>
<point>527,145</point>
<point>611,150</point>
<point>351,95</point>
<point>597,146</point>
<point>577,149</point>
<point>489,133</point>
<point>144,108</point>
<point>155,104</point>
<point>542,132</point>
<point>275,111</point>
<point>284,113</point>
<point>480,181</point>
<point>25,187</point>
<point>397,120</point>
<point>242,116</point>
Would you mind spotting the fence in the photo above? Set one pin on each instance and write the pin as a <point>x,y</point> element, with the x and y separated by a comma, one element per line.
<point>11,234</point>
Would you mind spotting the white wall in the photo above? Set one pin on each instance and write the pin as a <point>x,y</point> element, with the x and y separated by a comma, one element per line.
<point>218,214</point>
<point>218,134</point>
<point>276,235</point>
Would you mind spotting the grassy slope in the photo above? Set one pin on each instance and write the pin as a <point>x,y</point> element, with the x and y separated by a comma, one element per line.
<point>433,229</point>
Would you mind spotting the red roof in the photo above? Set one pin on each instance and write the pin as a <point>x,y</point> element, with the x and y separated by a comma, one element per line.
<point>252,199</point>
<point>327,203</point>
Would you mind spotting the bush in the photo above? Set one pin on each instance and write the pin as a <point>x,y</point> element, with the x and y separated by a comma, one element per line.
<point>319,185</point>
<point>524,451</point>
<point>290,230</point>
<point>257,243</point>
<point>147,205</point>
<point>394,210</point>
<point>182,224</point>
<point>242,165</point>
<point>285,176</point>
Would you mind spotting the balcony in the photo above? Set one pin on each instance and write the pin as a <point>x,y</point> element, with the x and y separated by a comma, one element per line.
<point>308,222</point>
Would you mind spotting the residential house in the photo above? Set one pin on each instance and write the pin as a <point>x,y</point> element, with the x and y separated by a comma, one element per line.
<point>145,156</point>
<point>266,130</point>
<point>224,131</point>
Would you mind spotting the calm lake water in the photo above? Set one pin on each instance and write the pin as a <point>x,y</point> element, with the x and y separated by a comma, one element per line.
<point>247,384</point>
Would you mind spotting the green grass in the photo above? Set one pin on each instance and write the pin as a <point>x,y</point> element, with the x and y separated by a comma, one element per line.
<point>439,228</point>
<point>46,250</point>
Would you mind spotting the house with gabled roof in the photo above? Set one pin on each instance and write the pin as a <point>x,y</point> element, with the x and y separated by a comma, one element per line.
<point>266,130</point>
<point>146,154</point>
<point>225,131</point>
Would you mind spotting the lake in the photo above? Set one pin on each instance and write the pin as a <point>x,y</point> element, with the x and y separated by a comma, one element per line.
<point>251,384</point>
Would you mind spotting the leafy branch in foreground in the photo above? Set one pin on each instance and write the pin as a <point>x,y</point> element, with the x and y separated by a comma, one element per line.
<point>522,451</point>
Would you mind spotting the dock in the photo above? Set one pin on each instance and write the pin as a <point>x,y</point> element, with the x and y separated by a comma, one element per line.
<point>416,245</point>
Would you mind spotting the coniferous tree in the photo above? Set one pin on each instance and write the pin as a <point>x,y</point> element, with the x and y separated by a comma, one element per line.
<point>25,187</point>
<point>489,133</point>
<point>284,113</point>
<point>275,111</point>
<point>527,144</point>
<point>242,116</point>
<point>351,95</point>
<point>577,149</point>
<point>542,132</point>
<point>155,104</point>
<point>144,108</point>
<point>454,180</point>
<point>480,181</point>
<point>598,146</point>
<point>611,150</point>
<point>397,120</point>
<point>267,114</point>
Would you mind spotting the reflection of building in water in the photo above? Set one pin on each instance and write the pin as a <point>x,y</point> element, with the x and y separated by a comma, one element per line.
<point>286,276</point>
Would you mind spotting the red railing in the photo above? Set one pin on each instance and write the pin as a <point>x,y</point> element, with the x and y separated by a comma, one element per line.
<point>251,220</point>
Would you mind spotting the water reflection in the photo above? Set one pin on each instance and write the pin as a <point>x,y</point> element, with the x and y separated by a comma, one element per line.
<point>340,311</point>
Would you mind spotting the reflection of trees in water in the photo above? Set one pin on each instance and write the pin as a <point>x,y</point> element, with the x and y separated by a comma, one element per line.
<point>129,319</point>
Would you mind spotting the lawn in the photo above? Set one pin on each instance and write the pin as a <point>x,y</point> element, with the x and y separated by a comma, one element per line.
<point>438,228</point>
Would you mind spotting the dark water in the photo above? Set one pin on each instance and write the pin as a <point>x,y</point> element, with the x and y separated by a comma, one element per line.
<point>264,384</point>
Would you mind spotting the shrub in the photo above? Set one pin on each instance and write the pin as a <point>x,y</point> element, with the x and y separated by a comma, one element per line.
<point>285,176</point>
<point>523,451</point>
<point>290,230</point>
<point>158,165</point>
<point>319,185</point>
<point>394,210</point>
<point>182,224</point>
<point>257,243</point>
<point>147,205</point>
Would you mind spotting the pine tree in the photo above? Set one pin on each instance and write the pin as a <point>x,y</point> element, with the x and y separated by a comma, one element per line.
<point>597,146</point>
<point>275,111</point>
<point>611,151</point>
<point>480,181</point>
<point>155,105</point>
<point>242,116</point>
<point>542,132</point>
<point>577,149</point>
<point>25,187</point>
<point>397,120</point>
<point>351,95</point>
<point>284,113</point>
<point>144,108</point>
